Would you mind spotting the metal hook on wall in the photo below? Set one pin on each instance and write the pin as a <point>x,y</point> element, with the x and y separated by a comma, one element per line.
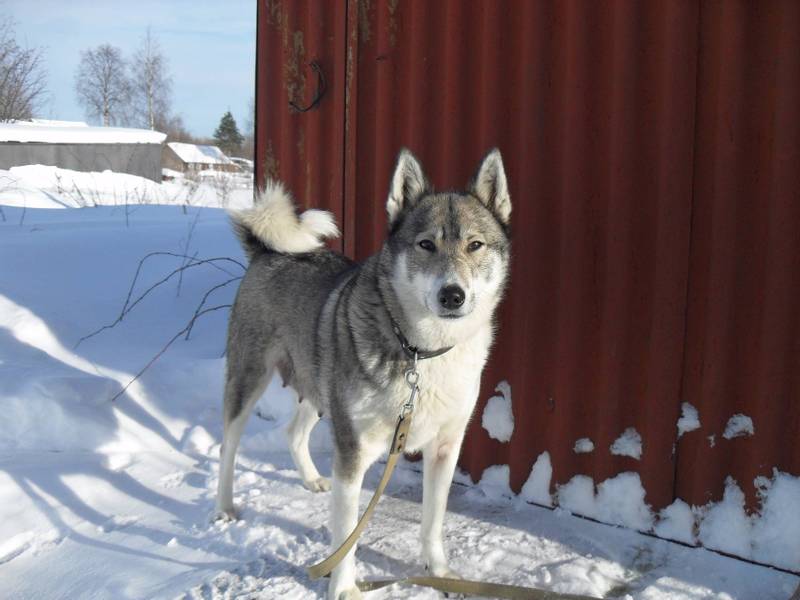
<point>322,87</point>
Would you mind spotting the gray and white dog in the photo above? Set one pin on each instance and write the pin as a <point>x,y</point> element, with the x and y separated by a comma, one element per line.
<point>338,333</point>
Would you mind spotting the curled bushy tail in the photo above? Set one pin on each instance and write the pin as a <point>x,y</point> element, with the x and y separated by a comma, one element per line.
<point>274,223</point>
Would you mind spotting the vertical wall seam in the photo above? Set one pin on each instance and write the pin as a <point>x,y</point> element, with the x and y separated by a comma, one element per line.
<point>692,199</point>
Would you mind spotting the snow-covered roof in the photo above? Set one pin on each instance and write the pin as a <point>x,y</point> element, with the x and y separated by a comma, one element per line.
<point>242,161</point>
<point>195,153</point>
<point>57,123</point>
<point>75,132</point>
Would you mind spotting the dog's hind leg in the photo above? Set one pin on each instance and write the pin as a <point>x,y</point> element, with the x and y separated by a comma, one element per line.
<point>242,390</point>
<point>299,432</point>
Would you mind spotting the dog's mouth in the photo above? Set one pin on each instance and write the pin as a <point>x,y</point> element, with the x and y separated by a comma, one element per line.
<point>452,316</point>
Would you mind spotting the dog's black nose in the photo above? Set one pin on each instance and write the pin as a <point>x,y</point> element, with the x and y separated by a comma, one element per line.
<point>451,296</point>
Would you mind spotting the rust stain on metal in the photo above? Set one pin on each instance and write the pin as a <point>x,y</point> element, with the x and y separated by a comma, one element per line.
<point>301,145</point>
<point>350,70</point>
<point>364,19</point>
<point>392,6</point>
<point>274,13</point>
<point>308,199</point>
<point>271,166</point>
<point>295,69</point>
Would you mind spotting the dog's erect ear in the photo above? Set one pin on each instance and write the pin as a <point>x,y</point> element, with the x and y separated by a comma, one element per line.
<point>408,184</point>
<point>491,187</point>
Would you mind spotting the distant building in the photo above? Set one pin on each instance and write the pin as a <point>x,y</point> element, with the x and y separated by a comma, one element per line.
<point>245,164</point>
<point>193,158</point>
<point>77,146</point>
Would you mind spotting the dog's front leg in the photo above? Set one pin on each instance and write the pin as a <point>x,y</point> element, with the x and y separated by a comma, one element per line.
<point>439,458</point>
<point>348,475</point>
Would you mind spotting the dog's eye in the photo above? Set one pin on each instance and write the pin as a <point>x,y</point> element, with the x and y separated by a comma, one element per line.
<point>474,245</point>
<point>427,245</point>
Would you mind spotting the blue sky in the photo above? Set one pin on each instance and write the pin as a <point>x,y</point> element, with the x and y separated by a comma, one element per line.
<point>210,46</point>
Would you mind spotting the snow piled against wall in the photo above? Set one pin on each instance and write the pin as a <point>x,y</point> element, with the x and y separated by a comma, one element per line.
<point>628,444</point>
<point>725,525</point>
<point>537,488</point>
<point>619,500</point>
<point>690,419</point>
<point>771,536</point>
<point>495,482</point>
<point>776,534</point>
<point>676,522</point>
<point>498,417</point>
<point>739,425</point>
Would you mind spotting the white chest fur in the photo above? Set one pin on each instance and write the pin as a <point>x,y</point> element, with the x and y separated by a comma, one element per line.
<point>449,386</point>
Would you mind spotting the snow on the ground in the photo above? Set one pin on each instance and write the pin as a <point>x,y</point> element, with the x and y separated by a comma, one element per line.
<point>498,418</point>
<point>628,444</point>
<point>40,186</point>
<point>583,446</point>
<point>690,419</point>
<point>111,499</point>
<point>738,425</point>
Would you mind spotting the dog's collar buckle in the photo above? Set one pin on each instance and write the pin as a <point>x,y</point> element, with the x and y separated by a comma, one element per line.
<point>413,352</point>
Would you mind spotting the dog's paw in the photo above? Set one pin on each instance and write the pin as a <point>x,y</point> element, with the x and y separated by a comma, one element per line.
<point>351,594</point>
<point>320,484</point>
<point>225,515</point>
<point>442,570</point>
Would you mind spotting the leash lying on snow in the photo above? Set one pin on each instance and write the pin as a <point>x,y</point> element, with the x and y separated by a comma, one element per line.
<point>443,584</point>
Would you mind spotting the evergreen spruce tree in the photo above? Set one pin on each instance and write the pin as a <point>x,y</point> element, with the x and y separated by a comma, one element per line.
<point>227,135</point>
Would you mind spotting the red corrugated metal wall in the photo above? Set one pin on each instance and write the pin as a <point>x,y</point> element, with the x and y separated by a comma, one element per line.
<point>653,152</point>
<point>743,330</point>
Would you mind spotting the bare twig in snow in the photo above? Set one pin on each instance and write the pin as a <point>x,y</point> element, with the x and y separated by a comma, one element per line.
<point>187,243</point>
<point>207,294</point>
<point>166,347</point>
<point>129,305</point>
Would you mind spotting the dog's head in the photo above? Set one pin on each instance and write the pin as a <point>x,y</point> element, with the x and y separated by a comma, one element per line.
<point>450,249</point>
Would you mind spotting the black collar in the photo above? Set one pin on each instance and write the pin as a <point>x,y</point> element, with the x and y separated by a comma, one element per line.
<point>413,352</point>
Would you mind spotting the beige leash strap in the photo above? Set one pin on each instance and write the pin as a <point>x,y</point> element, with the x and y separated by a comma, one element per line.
<point>472,588</point>
<point>398,443</point>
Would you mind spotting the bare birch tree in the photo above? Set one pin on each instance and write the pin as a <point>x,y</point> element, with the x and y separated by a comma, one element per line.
<point>102,84</point>
<point>248,146</point>
<point>151,83</point>
<point>22,79</point>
